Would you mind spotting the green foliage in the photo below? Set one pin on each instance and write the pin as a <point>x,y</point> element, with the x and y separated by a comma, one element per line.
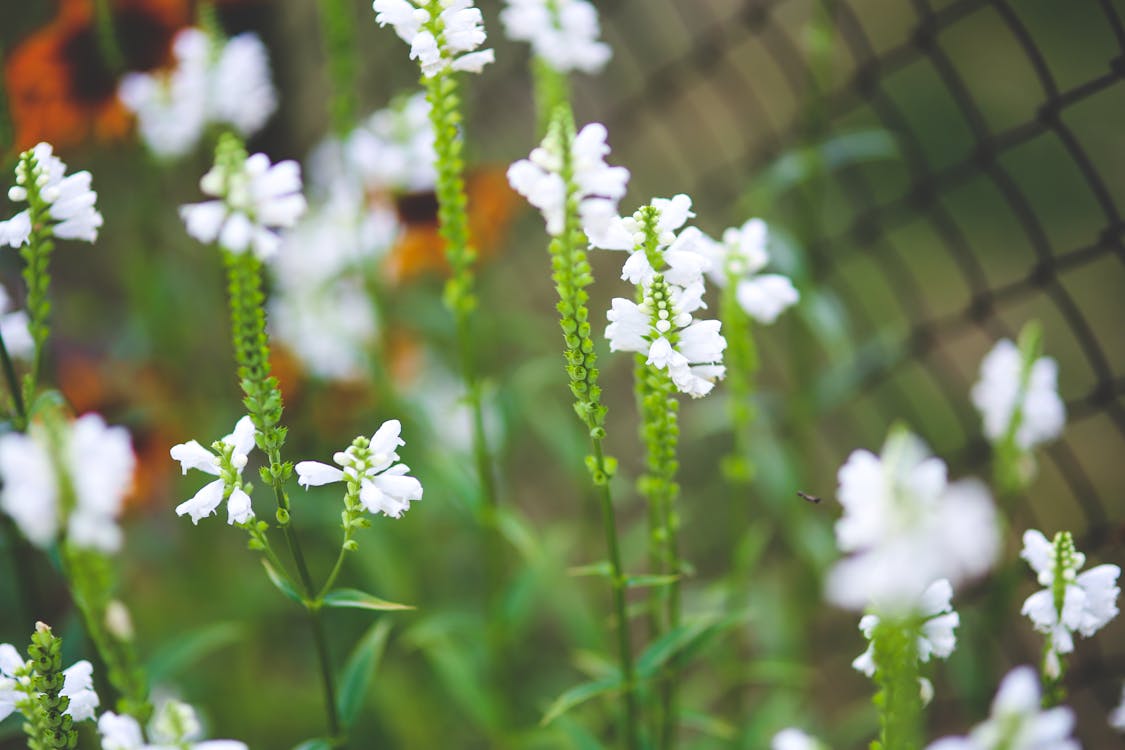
<point>338,33</point>
<point>355,599</point>
<point>359,670</point>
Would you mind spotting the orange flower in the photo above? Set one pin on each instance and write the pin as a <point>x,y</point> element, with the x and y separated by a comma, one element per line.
<point>60,87</point>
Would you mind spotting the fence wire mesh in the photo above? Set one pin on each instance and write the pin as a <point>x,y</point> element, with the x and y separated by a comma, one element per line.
<point>947,169</point>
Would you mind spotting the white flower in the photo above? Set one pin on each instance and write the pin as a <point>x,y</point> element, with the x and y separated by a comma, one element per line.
<point>936,638</point>
<point>1117,717</point>
<point>794,739</point>
<point>1017,722</point>
<point>564,33</point>
<point>78,685</point>
<point>1001,395</point>
<point>225,82</point>
<point>98,462</point>
<point>459,27</point>
<point>14,329</point>
<point>739,258</point>
<point>906,526</point>
<point>227,463</point>
<point>330,327</point>
<point>1089,599</point>
<point>598,186</point>
<point>385,486</point>
<point>175,727</point>
<point>255,199</point>
<point>71,202</point>
<point>391,151</point>
<point>171,107</point>
<point>242,92</point>
<point>15,231</point>
<point>10,693</point>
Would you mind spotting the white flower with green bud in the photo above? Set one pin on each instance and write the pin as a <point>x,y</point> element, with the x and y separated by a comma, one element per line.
<point>669,273</point>
<point>1018,722</point>
<point>67,200</point>
<point>16,685</point>
<point>442,34</point>
<point>226,459</point>
<point>1071,602</point>
<point>905,526</point>
<point>936,622</point>
<point>369,467</point>
<point>597,187</point>
<point>738,259</point>
<point>254,199</point>
<point>67,475</point>
<point>562,33</point>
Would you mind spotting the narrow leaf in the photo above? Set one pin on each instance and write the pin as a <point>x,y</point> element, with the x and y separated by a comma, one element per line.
<point>166,663</point>
<point>672,643</point>
<point>281,582</point>
<point>578,695</point>
<point>360,669</point>
<point>602,569</point>
<point>356,599</point>
<point>314,744</point>
<point>642,581</point>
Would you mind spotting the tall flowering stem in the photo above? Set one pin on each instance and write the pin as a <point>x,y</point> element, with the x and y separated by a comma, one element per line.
<point>49,724</point>
<point>655,392</point>
<point>899,700</point>
<point>572,274</point>
<point>264,404</point>
<point>36,254</point>
<point>453,217</point>
<point>742,358</point>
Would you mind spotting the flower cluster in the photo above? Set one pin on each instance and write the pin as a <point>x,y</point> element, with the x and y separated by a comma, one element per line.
<point>596,186</point>
<point>174,726</point>
<point>668,270</point>
<point>1017,722</point>
<point>226,460</point>
<point>1019,392</point>
<point>936,636</point>
<point>41,178</point>
<point>1071,602</point>
<point>73,475</point>
<point>562,33</point>
<point>738,259</point>
<point>906,527</point>
<point>442,34</point>
<point>253,200</point>
<point>211,82</point>
<point>381,484</point>
<point>15,682</point>
<point>392,151</point>
<point>319,308</point>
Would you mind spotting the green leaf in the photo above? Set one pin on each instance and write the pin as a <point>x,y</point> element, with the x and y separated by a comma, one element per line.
<point>709,725</point>
<point>356,599</point>
<point>281,582</point>
<point>602,569</point>
<point>315,744</point>
<point>186,650</point>
<point>674,642</point>
<point>360,669</point>
<point>578,695</point>
<point>642,581</point>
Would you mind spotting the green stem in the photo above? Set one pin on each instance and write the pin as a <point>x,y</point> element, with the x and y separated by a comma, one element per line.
<point>572,274</point>
<point>263,402</point>
<point>337,32</point>
<point>624,644</point>
<point>20,421</point>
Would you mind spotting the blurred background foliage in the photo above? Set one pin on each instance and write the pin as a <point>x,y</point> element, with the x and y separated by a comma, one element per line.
<point>936,173</point>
